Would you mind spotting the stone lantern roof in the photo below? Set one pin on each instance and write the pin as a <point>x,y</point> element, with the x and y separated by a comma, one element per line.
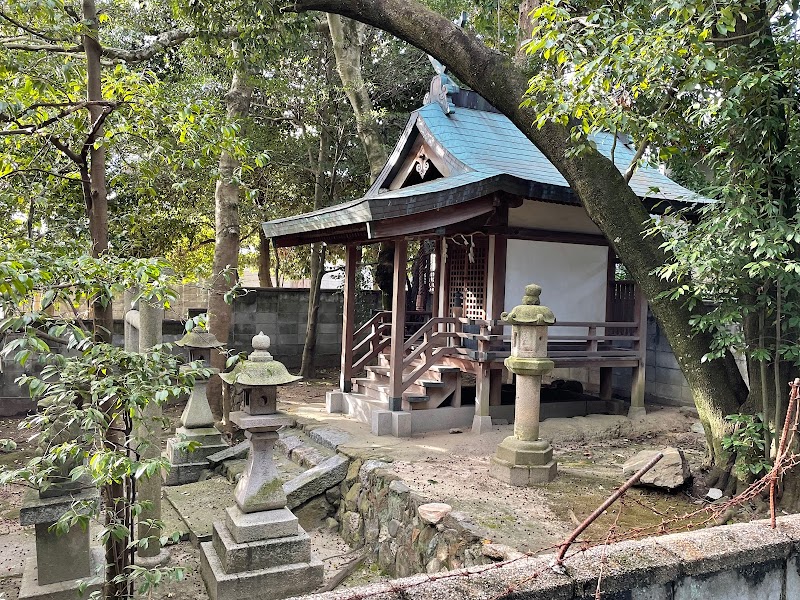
<point>260,368</point>
<point>199,338</point>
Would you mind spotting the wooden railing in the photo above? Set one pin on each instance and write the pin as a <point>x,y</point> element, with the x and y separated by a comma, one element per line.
<point>429,344</point>
<point>374,338</point>
<point>588,341</point>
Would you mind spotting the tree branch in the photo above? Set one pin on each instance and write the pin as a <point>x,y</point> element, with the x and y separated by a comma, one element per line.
<point>71,108</point>
<point>33,32</point>
<point>635,160</point>
<point>96,126</point>
<point>76,158</point>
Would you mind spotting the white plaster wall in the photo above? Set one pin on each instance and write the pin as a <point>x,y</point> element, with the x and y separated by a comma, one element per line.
<point>572,276</point>
<point>553,217</point>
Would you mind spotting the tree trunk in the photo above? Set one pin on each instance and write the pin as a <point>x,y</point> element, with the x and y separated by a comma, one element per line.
<point>347,36</point>
<point>264,262</point>
<point>308,367</point>
<point>717,386</point>
<point>97,203</point>
<point>348,39</point>
<point>226,248</point>
<point>321,166</point>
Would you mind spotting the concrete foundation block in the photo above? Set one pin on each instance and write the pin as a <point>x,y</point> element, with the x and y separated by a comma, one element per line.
<point>522,475</point>
<point>49,510</point>
<point>261,554</point>
<point>334,402</point>
<point>61,557</point>
<point>265,584</point>
<point>525,454</point>
<point>31,587</point>
<point>481,424</point>
<point>185,473</point>
<point>177,456</point>
<point>381,422</point>
<point>636,412</point>
<point>266,524</point>
<point>401,424</point>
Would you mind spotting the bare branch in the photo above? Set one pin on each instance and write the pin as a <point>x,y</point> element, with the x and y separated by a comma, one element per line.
<point>44,171</point>
<point>71,107</point>
<point>96,126</point>
<point>635,160</point>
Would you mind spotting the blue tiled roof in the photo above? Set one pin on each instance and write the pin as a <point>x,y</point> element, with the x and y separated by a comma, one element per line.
<point>490,155</point>
<point>490,144</point>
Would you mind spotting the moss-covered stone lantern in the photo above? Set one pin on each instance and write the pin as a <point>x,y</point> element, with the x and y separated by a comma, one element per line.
<point>523,459</point>
<point>260,551</point>
<point>197,420</point>
<point>256,381</point>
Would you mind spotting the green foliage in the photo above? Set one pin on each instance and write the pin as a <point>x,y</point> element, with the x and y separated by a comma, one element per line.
<point>746,441</point>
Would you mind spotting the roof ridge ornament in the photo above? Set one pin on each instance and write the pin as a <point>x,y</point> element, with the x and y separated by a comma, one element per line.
<point>442,86</point>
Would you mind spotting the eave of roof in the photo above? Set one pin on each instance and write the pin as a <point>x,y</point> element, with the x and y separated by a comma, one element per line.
<point>489,155</point>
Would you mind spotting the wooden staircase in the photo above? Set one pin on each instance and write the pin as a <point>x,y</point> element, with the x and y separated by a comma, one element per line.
<point>434,387</point>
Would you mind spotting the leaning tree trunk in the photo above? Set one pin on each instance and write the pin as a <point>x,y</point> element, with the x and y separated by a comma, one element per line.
<point>226,248</point>
<point>717,386</point>
<point>347,36</point>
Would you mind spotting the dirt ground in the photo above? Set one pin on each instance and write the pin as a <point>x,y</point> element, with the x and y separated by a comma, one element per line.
<point>450,468</point>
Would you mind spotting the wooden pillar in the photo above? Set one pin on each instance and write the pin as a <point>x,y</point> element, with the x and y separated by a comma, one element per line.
<point>443,295</point>
<point>437,282</point>
<point>351,258</point>
<point>496,276</point>
<point>638,384</point>
<point>398,325</point>
<point>606,373</point>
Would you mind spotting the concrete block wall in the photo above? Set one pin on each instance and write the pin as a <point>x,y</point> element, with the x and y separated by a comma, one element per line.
<point>746,561</point>
<point>664,380</point>
<point>282,314</point>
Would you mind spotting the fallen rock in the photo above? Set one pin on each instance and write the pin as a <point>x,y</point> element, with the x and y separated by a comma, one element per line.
<point>714,494</point>
<point>232,453</point>
<point>500,552</point>
<point>433,512</point>
<point>670,473</point>
<point>456,430</point>
<point>697,427</point>
<point>316,481</point>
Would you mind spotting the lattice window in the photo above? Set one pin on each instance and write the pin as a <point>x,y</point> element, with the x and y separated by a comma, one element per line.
<point>468,276</point>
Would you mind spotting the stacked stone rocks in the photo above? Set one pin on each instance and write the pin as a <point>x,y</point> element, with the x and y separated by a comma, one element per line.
<point>399,526</point>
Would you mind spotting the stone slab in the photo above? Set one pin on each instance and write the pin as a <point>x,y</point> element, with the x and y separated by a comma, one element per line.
<point>262,525</point>
<point>30,589</point>
<point>49,510</point>
<point>261,554</point>
<point>334,402</point>
<point>401,423</point>
<point>729,547</point>
<point>200,504</point>
<point>521,475</point>
<point>203,435</point>
<point>230,453</point>
<point>261,422</point>
<point>330,437</point>
<point>182,474</point>
<point>177,456</point>
<point>625,565</point>
<point>752,582</point>
<point>265,584</point>
<point>62,557</point>
<point>316,480</point>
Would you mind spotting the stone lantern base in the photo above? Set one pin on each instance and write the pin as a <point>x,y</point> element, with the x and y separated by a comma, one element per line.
<point>186,467</point>
<point>265,555</point>
<point>520,463</point>
<point>64,563</point>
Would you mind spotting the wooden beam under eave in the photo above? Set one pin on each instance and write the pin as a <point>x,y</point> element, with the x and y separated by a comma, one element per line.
<point>431,220</point>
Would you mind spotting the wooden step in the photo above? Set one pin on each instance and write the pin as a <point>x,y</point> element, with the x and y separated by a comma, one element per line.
<point>430,383</point>
<point>416,399</point>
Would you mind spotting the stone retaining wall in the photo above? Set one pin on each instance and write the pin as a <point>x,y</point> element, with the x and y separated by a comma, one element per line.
<point>747,561</point>
<point>378,510</point>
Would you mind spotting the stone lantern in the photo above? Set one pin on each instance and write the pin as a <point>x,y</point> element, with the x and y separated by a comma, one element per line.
<point>260,550</point>
<point>197,421</point>
<point>523,459</point>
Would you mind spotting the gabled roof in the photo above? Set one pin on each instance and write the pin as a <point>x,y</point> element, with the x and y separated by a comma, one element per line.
<point>485,153</point>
